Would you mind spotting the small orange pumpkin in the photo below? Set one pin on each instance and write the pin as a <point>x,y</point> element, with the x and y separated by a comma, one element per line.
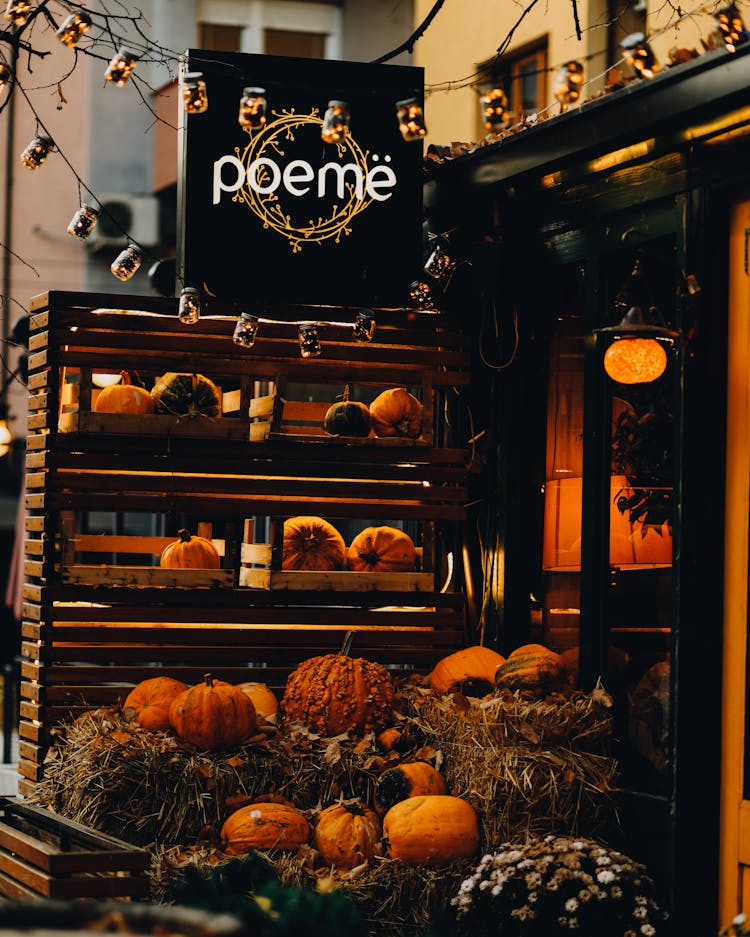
<point>213,715</point>
<point>264,826</point>
<point>470,671</point>
<point>433,830</point>
<point>190,552</point>
<point>125,397</point>
<point>381,550</point>
<point>347,835</point>
<point>151,700</point>
<point>311,543</point>
<point>413,779</point>
<point>263,698</point>
<point>531,667</point>
<point>396,412</point>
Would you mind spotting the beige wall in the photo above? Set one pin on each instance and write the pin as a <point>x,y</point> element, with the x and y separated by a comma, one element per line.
<point>468,32</point>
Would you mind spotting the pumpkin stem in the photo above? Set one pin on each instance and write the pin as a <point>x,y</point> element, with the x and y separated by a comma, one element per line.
<point>346,393</point>
<point>125,377</point>
<point>209,680</point>
<point>184,535</point>
<point>346,645</point>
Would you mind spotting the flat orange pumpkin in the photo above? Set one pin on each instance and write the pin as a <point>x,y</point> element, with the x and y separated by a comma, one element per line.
<point>190,552</point>
<point>311,543</point>
<point>264,826</point>
<point>381,550</point>
<point>151,699</point>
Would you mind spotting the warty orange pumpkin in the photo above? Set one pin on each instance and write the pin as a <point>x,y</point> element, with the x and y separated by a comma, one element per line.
<point>125,397</point>
<point>396,412</point>
<point>150,701</point>
<point>381,550</point>
<point>346,835</point>
<point>264,826</point>
<point>311,543</point>
<point>213,715</point>
<point>190,552</point>
<point>413,779</point>
<point>433,830</point>
<point>470,671</point>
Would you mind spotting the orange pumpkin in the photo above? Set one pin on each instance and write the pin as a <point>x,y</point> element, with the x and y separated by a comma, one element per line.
<point>382,550</point>
<point>150,700</point>
<point>414,779</point>
<point>347,835</point>
<point>433,830</point>
<point>531,667</point>
<point>335,693</point>
<point>190,552</point>
<point>263,699</point>
<point>213,715</point>
<point>470,671</point>
<point>311,543</point>
<point>396,412</point>
<point>125,397</point>
<point>264,826</point>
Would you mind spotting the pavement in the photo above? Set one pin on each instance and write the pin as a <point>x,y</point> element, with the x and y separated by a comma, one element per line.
<point>9,772</point>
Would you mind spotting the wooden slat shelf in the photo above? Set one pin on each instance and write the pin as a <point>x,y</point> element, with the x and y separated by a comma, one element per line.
<point>100,614</point>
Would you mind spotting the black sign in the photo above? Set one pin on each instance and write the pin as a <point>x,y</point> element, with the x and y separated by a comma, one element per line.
<point>276,214</point>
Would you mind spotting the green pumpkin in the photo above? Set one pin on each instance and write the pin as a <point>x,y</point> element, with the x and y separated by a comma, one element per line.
<point>347,418</point>
<point>186,395</point>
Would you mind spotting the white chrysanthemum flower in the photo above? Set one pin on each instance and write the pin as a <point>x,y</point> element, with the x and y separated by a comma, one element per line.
<point>605,876</point>
<point>737,921</point>
<point>648,930</point>
<point>577,844</point>
<point>571,904</point>
<point>603,860</point>
<point>496,889</point>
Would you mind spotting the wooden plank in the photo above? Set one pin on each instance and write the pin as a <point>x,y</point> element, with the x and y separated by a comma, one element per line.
<point>33,568</point>
<point>37,401</point>
<point>32,592</point>
<point>32,611</point>
<point>35,733</point>
<point>31,630</point>
<point>39,320</point>
<point>31,650</point>
<point>36,479</point>
<point>37,360</point>
<point>37,443</point>
<point>36,460</point>
<point>30,751</point>
<point>32,692</point>
<point>35,523</point>
<point>346,581</point>
<point>38,380</point>
<point>30,770</point>
<point>164,426</point>
<point>32,670</point>
<point>107,543</point>
<point>30,710</point>
<point>139,576</point>
<point>263,407</point>
<point>35,502</point>
<point>26,788</point>
<point>38,340</point>
<point>39,420</point>
<point>10,888</point>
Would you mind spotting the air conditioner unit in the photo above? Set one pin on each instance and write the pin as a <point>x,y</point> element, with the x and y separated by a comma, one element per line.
<point>126,216</point>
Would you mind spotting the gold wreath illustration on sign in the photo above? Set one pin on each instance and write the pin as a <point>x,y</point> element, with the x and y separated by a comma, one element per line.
<point>267,205</point>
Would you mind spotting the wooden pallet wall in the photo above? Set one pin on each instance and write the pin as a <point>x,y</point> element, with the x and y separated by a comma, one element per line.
<point>99,613</point>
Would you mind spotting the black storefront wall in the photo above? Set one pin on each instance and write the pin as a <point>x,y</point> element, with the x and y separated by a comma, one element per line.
<point>652,169</point>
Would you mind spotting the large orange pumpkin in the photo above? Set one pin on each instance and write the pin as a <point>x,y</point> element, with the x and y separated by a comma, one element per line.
<point>470,671</point>
<point>151,699</point>
<point>531,667</point>
<point>413,779</point>
<point>190,552</point>
<point>334,693</point>
<point>396,412</point>
<point>264,826</point>
<point>311,543</point>
<point>125,397</point>
<point>347,835</point>
<point>263,698</point>
<point>213,715</point>
<point>381,550</point>
<point>433,830</point>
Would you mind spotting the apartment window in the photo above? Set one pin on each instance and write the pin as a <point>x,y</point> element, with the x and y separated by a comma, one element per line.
<point>271,27</point>
<point>522,74</point>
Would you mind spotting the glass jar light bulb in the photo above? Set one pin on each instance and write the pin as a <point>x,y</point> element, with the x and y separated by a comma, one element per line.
<point>410,118</point>
<point>731,26</point>
<point>82,223</point>
<point>73,28</point>
<point>494,103</point>
<point>335,122</point>
<point>190,305</point>
<point>37,151</point>
<point>639,55</point>
<point>194,94</point>
<point>309,343</point>
<point>420,295</point>
<point>17,11</point>
<point>127,262</point>
<point>440,265</point>
<point>253,106</point>
<point>246,330</point>
<point>121,67</point>
<point>364,326</point>
<point>635,360</point>
<point>568,83</point>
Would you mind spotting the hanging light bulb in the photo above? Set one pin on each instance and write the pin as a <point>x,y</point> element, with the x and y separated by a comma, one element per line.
<point>6,75</point>
<point>731,27</point>
<point>568,83</point>
<point>194,95</point>
<point>17,11</point>
<point>364,325</point>
<point>410,118</point>
<point>494,103</point>
<point>440,265</point>
<point>82,223</point>
<point>73,28</point>
<point>335,122</point>
<point>246,330</point>
<point>37,151</point>
<point>309,343</point>
<point>6,437</point>
<point>253,107</point>
<point>127,262</point>
<point>121,67</point>
<point>637,354</point>
<point>639,55</point>
<point>189,311</point>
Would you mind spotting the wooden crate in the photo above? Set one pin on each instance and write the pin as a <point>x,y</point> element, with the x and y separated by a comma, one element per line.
<point>43,855</point>
<point>92,627</point>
